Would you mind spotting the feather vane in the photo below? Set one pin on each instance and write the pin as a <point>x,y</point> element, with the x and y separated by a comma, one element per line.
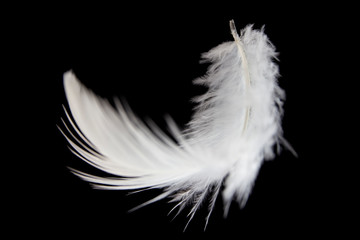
<point>234,128</point>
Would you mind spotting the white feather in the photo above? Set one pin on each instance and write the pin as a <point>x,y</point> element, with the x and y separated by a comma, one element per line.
<point>235,126</point>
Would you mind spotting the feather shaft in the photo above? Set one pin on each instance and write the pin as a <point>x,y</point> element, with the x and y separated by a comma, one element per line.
<point>245,66</point>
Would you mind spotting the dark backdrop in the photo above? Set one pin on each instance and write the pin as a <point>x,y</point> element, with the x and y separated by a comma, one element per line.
<point>149,55</point>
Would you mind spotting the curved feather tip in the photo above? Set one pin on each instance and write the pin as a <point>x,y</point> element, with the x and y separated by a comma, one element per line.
<point>234,128</point>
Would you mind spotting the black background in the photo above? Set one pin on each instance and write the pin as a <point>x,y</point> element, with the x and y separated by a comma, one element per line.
<point>149,55</point>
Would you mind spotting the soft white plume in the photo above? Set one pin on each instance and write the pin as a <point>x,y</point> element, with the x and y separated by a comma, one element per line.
<point>236,124</point>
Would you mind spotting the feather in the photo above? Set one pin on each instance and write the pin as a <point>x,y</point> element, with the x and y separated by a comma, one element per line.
<point>235,126</point>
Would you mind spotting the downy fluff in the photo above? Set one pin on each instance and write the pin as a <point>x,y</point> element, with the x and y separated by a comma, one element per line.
<point>234,128</point>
